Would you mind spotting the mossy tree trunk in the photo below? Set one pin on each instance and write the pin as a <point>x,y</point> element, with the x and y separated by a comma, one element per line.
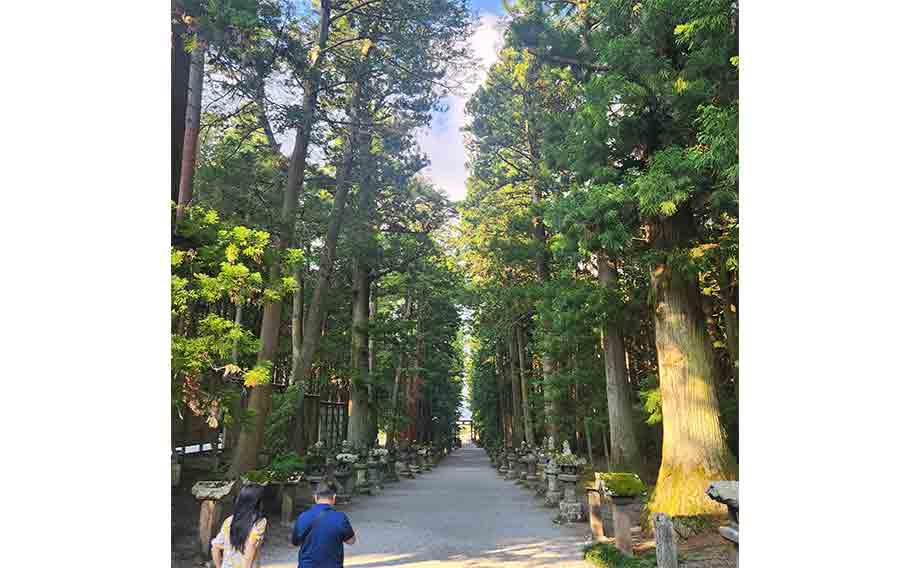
<point>359,422</point>
<point>694,448</point>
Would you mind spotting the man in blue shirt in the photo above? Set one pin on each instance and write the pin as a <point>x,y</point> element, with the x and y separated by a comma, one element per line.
<point>321,530</point>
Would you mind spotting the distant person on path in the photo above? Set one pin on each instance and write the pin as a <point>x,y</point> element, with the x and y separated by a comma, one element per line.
<point>321,530</point>
<point>238,542</point>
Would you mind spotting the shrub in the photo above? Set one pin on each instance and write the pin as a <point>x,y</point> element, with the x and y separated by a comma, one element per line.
<point>621,484</point>
<point>605,555</point>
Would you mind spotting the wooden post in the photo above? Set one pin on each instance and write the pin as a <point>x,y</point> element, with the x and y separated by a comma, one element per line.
<point>663,537</point>
<point>288,494</point>
<point>622,523</point>
<point>212,497</point>
<point>209,519</point>
<point>597,526</point>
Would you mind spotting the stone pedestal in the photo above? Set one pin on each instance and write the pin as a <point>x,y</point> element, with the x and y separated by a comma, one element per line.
<point>361,483</point>
<point>530,475</point>
<point>512,472</point>
<point>404,470</point>
<point>345,477</point>
<point>570,509</point>
<point>414,464</point>
<point>600,515</point>
<point>426,464</point>
<point>374,478</point>
<point>541,484</point>
<point>553,494</point>
<point>288,494</point>
<point>390,470</point>
<point>623,512</point>
<point>503,465</point>
<point>213,498</point>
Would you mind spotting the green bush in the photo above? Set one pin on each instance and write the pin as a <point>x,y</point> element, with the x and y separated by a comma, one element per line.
<point>286,466</point>
<point>606,555</point>
<point>621,484</point>
<point>258,476</point>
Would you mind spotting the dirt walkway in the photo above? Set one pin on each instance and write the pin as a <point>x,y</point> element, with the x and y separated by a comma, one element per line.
<point>459,514</point>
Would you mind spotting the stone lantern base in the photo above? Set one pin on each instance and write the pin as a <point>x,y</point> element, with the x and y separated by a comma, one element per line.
<point>570,509</point>
<point>553,492</point>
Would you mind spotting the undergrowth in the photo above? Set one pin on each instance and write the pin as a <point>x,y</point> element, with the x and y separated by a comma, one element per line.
<point>604,555</point>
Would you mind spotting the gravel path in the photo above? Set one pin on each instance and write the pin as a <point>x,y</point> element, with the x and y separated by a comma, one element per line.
<point>459,514</point>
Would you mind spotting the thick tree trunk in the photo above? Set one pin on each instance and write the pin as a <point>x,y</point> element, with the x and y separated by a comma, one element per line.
<point>625,453</point>
<point>250,441</point>
<point>402,364</point>
<point>542,259</point>
<point>415,406</point>
<point>358,421</point>
<point>327,260</point>
<point>523,371</point>
<point>191,128</point>
<point>694,449</point>
<point>361,420</point>
<point>518,435</point>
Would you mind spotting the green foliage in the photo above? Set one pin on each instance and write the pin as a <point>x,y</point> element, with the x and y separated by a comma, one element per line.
<point>649,396</point>
<point>604,555</point>
<point>615,125</point>
<point>258,476</point>
<point>259,375</point>
<point>286,466</point>
<point>621,484</point>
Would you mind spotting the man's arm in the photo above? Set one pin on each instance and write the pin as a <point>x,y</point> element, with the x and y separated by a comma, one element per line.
<point>351,538</point>
<point>295,533</point>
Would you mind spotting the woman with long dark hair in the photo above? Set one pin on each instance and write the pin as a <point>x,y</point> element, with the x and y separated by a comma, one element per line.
<point>238,542</point>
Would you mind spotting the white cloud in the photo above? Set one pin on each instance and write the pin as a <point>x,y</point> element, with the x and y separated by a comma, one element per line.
<point>443,142</point>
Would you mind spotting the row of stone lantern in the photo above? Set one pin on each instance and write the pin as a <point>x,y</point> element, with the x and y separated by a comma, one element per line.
<point>614,504</point>
<point>355,470</point>
<point>546,473</point>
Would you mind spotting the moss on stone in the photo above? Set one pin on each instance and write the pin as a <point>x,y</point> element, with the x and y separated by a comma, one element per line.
<point>621,484</point>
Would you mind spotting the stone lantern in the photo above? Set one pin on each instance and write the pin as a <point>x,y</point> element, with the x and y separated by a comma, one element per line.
<point>553,490</point>
<point>570,506</point>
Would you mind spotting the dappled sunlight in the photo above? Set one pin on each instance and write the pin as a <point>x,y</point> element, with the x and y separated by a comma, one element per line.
<point>459,514</point>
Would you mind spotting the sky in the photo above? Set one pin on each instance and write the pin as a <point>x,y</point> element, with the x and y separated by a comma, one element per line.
<point>443,141</point>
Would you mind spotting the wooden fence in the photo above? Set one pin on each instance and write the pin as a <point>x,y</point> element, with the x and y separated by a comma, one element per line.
<point>324,421</point>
